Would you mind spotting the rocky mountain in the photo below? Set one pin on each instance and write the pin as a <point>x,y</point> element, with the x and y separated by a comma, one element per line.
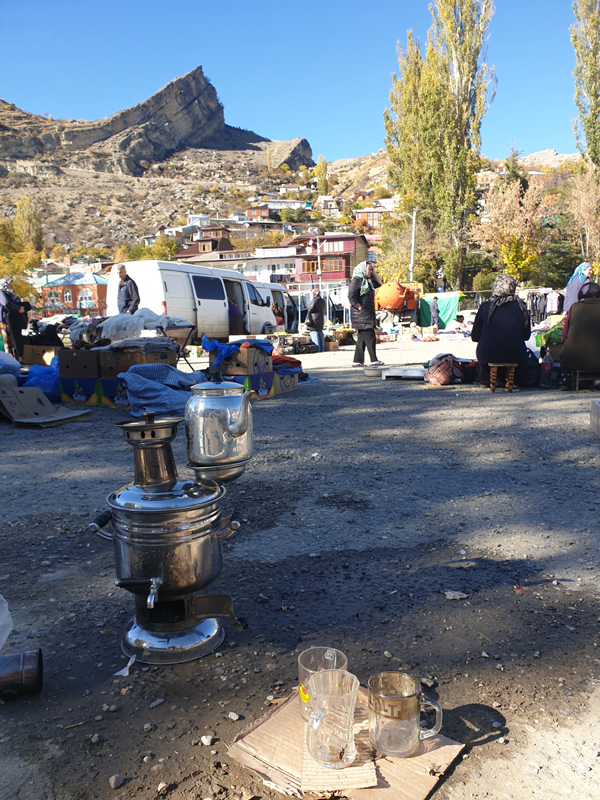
<point>110,181</point>
<point>548,158</point>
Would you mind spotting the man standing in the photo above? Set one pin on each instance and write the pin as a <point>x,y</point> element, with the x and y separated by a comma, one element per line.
<point>315,319</point>
<point>128,299</point>
<point>435,314</point>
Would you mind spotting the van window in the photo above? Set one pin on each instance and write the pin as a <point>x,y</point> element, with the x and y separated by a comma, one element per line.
<point>208,288</point>
<point>254,296</point>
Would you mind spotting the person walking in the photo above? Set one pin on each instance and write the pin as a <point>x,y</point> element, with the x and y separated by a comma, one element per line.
<point>13,318</point>
<point>361,295</point>
<point>435,314</point>
<point>128,298</point>
<point>315,319</point>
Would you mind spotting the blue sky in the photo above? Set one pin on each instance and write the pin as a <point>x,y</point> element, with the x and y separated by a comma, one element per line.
<point>315,69</point>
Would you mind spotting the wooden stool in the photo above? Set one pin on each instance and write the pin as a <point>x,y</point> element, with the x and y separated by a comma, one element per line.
<point>510,376</point>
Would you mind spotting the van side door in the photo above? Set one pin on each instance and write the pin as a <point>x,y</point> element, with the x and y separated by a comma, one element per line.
<point>291,313</point>
<point>257,316</point>
<point>213,312</point>
<point>178,297</point>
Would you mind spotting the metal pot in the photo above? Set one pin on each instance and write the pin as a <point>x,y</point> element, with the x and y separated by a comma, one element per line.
<point>174,535</point>
<point>218,423</point>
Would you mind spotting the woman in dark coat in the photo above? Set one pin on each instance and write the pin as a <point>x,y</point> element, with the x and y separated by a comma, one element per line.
<point>361,295</point>
<point>501,328</point>
<point>13,318</point>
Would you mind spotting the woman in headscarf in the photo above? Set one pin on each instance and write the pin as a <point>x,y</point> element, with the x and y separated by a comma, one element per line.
<point>501,328</point>
<point>578,279</point>
<point>589,296</point>
<point>361,295</point>
<point>13,318</point>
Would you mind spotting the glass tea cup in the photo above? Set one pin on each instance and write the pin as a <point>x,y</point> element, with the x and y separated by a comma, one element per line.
<point>330,727</point>
<point>395,705</point>
<point>314,660</point>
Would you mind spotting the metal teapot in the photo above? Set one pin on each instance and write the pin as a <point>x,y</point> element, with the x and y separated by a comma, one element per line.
<point>218,423</point>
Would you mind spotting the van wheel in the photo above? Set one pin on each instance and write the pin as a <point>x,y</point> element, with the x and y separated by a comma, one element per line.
<point>268,329</point>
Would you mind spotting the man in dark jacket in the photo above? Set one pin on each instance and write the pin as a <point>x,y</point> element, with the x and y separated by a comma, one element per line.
<point>361,295</point>
<point>128,299</point>
<point>315,319</point>
<point>13,318</point>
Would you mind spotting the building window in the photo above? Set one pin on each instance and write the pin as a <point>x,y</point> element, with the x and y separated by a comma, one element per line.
<point>333,247</point>
<point>334,265</point>
<point>310,266</point>
<point>68,296</point>
<point>53,298</point>
<point>86,299</point>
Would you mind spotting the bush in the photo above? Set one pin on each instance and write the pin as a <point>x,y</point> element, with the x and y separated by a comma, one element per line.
<point>482,282</point>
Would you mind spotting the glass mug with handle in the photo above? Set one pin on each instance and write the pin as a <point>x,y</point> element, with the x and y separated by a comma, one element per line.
<point>330,727</point>
<point>395,705</point>
<point>314,660</point>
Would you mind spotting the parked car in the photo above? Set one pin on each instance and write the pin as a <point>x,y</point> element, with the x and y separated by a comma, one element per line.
<point>201,294</point>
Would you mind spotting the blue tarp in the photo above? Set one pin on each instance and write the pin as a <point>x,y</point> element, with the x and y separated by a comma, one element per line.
<point>221,351</point>
<point>159,388</point>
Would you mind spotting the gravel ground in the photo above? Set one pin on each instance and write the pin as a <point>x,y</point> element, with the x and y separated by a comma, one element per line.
<point>366,501</point>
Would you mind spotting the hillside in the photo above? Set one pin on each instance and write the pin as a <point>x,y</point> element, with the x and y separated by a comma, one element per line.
<point>109,181</point>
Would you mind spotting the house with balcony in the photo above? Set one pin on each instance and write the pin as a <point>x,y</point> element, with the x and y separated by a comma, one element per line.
<point>77,293</point>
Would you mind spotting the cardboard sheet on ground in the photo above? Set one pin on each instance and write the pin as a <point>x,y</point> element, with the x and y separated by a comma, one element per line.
<point>29,407</point>
<point>274,748</point>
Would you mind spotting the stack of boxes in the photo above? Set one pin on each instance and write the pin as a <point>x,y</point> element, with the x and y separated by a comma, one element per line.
<point>252,368</point>
<point>90,377</point>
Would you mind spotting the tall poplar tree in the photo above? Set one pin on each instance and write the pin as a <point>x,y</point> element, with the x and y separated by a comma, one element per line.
<point>434,127</point>
<point>585,38</point>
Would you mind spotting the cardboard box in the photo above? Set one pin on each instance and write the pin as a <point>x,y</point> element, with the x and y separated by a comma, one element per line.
<point>114,393</point>
<point>39,354</point>
<point>285,382</point>
<point>261,385</point>
<point>113,362</point>
<point>247,361</point>
<point>78,364</point>
<point>331,346</point>
<point>81,391</point>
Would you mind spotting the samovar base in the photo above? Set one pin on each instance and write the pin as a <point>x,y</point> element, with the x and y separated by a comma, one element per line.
<point>172,647</point>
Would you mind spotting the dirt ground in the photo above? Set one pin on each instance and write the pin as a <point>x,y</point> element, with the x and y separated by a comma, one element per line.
<point>366,501</point>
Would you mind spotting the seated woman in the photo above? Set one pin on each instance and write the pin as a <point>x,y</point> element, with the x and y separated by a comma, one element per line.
<point>589,291</point>
<point>278,314</point>
<point>501,328</point>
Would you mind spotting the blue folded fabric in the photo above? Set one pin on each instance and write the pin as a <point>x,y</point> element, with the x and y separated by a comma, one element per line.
<point>159,388</point>
<point>222,351</point>
<point>286,369</point>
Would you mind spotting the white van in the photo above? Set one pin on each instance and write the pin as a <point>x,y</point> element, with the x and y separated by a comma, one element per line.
<point>200,294</point>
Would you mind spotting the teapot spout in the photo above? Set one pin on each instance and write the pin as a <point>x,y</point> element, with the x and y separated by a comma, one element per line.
<point>240,426</point>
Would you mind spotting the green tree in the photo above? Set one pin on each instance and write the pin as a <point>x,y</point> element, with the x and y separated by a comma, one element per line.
<point>585,38</point>
<point>320,172</point>
<point>513,170</point>
<point>433,130</point>
<point>28,223</point>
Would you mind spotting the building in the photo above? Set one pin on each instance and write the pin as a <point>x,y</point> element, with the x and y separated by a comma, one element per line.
<point>258,212</point>
<point>77,293</point>
<point>287,188</point>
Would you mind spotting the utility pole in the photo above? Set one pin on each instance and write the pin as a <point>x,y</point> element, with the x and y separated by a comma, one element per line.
<point>319,263</point>
<point>413,216</point>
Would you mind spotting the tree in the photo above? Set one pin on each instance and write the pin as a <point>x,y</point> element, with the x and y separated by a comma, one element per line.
<point>17,259</point>
<point>512,226</point>
<point>585,38</point>
<point>28,223</point>
<point>513,170</point>
<point>320,173</point>
<point>433,130</point>
<point>583,203</point>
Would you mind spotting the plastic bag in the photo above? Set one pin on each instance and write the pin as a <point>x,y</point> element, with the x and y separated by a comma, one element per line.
<point>6,622</point>
<point>45,378</point>
<point>9,364</point>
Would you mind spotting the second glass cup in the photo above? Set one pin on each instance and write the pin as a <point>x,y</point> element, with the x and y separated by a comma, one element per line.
<point>316,659</point>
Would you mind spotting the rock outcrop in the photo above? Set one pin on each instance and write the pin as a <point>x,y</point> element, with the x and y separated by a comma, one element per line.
<point>186,113</point>
<point>548,158</point>
<point>182,114</point>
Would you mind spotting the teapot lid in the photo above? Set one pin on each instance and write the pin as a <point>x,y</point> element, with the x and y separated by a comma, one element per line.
<point>215,385</point>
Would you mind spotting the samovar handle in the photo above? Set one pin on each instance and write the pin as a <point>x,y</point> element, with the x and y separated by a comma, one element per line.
<point>230,525</point>
<point>99,523</point>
